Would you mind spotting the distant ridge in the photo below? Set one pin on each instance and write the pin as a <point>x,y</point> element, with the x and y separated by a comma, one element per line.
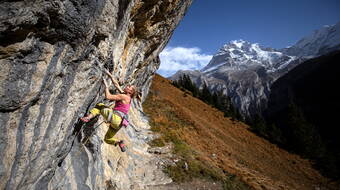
<point>245,71</point>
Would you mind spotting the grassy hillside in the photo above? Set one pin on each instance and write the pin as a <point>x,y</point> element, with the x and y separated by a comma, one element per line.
<point>217,148</point>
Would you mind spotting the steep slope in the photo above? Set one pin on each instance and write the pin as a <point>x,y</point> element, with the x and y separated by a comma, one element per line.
<point>312,88</point>
<point>51,58</point>
<point>245,71</point>
<point>228,145</point>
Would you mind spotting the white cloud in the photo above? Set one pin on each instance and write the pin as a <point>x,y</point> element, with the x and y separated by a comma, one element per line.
<point>180,58</point>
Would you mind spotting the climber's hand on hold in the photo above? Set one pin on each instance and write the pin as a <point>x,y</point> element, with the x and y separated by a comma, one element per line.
<point>114,81</point>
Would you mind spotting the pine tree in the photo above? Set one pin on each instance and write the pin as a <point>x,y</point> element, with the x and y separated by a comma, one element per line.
<point>259,125</point>
<point>274,133</point>
<point>223,103</point>
<point>215,100</point>
<point>304,135</point>
<point>205,94</point>
<point>186,83</point>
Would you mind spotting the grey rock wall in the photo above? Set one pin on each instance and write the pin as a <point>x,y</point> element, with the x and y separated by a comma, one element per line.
<point>51,58</point>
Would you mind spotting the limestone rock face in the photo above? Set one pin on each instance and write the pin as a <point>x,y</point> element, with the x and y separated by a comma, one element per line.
<point>52,54</point>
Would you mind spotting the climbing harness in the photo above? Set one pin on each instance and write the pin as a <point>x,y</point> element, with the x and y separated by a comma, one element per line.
<point>123,116</point>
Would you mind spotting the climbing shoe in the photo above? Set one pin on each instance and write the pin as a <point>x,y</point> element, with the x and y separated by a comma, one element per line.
<point>84,119</point>
<point>122,146</point>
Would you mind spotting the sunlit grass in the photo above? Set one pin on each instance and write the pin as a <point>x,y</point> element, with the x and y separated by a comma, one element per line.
<point>164,120</point>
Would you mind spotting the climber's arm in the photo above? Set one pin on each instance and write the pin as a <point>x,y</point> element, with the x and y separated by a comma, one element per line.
<point>115,97</point>
<point>110,96</point>
<point>114,81</point>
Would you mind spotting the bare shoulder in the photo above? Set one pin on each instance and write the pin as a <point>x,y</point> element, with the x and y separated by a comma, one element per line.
<point>126,99</point>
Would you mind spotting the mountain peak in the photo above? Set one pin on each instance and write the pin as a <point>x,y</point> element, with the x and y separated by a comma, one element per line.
<point>240,55</point>
<point>238,43</point>
<point>319,42</point>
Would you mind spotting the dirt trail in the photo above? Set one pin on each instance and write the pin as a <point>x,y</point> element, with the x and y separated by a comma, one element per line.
<point>232,147</point>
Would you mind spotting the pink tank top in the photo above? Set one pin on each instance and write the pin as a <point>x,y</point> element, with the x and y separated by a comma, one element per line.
<point>119,106</point>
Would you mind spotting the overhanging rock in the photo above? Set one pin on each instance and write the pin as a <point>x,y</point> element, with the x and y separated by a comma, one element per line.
<point>51,58</point>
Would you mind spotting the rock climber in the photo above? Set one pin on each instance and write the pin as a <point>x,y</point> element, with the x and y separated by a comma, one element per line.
<point>115,116</point>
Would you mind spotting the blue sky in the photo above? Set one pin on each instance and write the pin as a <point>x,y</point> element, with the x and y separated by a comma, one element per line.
<point>209,24</point>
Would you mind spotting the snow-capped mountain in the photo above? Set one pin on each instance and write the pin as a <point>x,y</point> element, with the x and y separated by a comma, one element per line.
<point>240,55</point>
<point>320,42</point>
<point>245,71</point>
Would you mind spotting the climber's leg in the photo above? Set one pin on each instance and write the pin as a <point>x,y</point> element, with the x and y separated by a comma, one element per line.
<point>109,136</point>
<point>113,129</point>
<point>114,120</point>
<point>93,112</point>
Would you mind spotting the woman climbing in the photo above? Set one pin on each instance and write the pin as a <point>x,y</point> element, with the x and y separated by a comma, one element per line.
<point>116,115</point>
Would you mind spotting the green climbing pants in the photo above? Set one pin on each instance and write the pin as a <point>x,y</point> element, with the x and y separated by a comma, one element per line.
<point>114,121</point>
